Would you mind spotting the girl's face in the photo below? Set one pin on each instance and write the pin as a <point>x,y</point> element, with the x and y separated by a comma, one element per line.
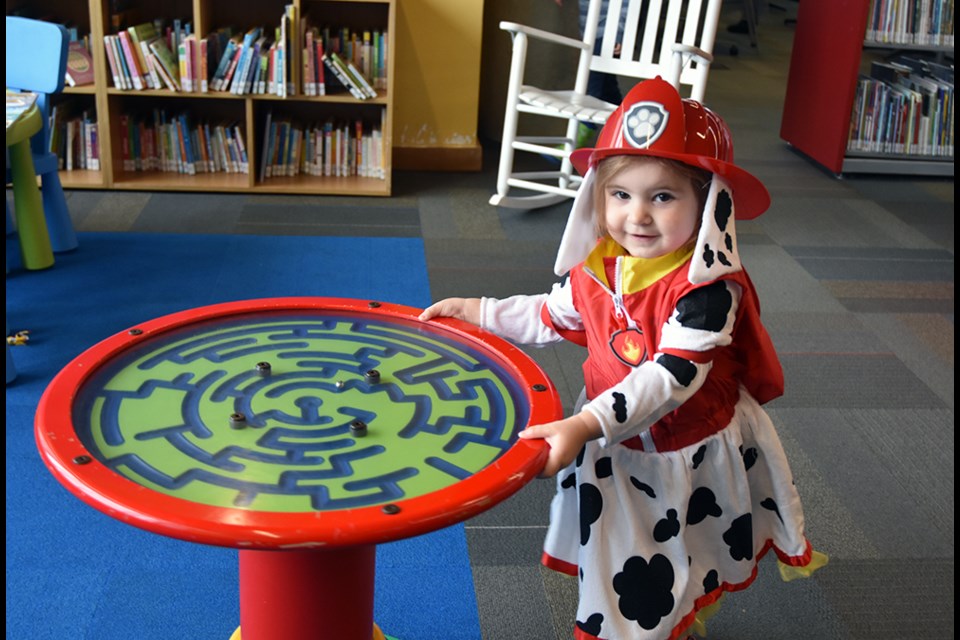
<point>650,209</point>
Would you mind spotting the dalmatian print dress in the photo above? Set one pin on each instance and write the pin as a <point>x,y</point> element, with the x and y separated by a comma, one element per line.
<point>689,486</point>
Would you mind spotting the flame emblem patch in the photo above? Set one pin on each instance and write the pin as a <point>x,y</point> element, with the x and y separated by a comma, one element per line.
<point>643,123</point>
<point>627,345</point>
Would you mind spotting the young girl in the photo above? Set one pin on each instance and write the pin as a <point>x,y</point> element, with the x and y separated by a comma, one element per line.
<point>671,480</point>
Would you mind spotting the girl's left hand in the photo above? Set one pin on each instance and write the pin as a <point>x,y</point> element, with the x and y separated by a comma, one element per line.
<point>467,309</point>
<point>566,438</point>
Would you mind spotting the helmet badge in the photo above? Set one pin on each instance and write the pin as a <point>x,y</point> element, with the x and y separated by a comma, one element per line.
<point>644,122</point>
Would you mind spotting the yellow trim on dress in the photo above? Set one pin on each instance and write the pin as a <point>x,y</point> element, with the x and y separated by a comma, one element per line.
<point>788,572</point>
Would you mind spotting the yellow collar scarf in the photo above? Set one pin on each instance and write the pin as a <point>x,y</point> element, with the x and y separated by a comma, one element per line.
<point>638,273</point>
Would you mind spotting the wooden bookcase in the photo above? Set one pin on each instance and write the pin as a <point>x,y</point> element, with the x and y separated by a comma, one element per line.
<point>829,52</point>
<point>97,18</point>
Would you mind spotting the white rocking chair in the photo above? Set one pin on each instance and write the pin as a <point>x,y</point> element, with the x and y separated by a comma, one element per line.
<point>672,39</point>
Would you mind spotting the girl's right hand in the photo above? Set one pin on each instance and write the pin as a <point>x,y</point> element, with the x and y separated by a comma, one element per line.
<point>566,438</point>
<point>467,309</point>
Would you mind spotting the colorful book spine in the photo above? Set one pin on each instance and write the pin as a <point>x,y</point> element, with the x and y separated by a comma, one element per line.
<point>190,46</point>
<point>164,76</point>
<point>342,77</point>
<point>186,83</point>
<point>382,59</point>
<point>282,56</point>
<point>201,150</point>
<point>94,161</point>
<point>138,34</point>
<point>241,148</point>
<point>272,150</point>
<point>321,76</point>
<point>293,69</point>
<point>125,74</point>
<point>367,55</point>
<point>364,84</point>
<point>266,145</point>
<point>153,74</point>
<point>225,59</point>
<point>253,65</point>
<point>189,151</point>
<point>202,71</point>
<point>264,71</point>
<point>126,160</point>
<point>232,68</point>
<point>354,77</point>
<point>167,62</point>
<point>130,59</point>
<point>309,75</point>
<point>271,69</point>
<point>231,147</point>
<point>236,81</point>
<point>112,61</point>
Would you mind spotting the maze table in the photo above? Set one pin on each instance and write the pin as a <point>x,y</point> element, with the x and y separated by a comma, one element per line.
<point>302,431</point>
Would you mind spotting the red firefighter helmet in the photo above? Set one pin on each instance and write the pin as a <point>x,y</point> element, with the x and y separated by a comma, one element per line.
<point>653,120</point>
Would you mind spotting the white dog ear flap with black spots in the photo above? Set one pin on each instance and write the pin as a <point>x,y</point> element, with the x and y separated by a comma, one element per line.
<point>716,253</point>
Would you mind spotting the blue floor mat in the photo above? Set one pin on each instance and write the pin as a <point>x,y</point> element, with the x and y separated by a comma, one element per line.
<point>73,572</point>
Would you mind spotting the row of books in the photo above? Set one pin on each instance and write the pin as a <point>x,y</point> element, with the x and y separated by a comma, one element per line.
<point>367,50</point>
<point>904,107</point>
<point>74,139</point>
<point>335,148</point>
<point>345,72</point>
<point>248,65</point>
<point>919,22</point>
<point>290,60</point>
<point>303,61</point>
<point>356,60</point>
<point>177,144</point>
<point>140,58</point>
<point>174,144</point>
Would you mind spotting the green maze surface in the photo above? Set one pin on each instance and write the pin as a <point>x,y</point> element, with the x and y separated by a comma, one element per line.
<point>160,413</point>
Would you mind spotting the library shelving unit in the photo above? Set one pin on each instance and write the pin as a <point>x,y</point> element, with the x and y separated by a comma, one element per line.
<point>829,52</point>
<point>102,17</point>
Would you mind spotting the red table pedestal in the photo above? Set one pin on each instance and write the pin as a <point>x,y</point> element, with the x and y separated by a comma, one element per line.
<point>299,595</point>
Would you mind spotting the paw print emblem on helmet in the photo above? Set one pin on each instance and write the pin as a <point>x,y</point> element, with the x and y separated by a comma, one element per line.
<point>643,123</point>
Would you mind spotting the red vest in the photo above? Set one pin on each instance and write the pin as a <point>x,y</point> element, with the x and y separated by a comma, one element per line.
<point>750,360</point>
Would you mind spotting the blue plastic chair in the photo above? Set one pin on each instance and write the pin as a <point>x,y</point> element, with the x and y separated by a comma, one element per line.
<point>37,62</point>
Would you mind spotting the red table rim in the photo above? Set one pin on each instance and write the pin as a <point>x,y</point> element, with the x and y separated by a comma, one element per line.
<point>106,490</point>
